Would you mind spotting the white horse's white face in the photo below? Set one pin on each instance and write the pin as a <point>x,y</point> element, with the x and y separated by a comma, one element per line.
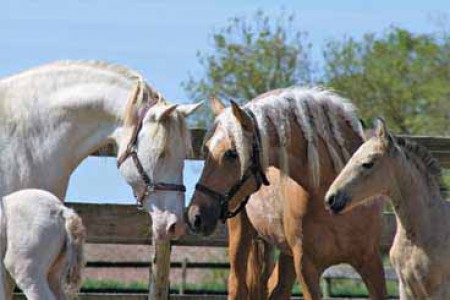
<point>163,144</point>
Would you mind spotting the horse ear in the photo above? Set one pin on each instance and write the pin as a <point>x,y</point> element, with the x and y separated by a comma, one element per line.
<point>381,128</point>
<point>382,131</point>
<point>164,112</point>
<point>241,116</point>
<point>216,105</point>
<point>187,109</point>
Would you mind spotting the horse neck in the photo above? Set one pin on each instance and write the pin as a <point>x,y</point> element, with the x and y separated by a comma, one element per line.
<point>418,210</point>
<point>297,163</point>
<point>50,130</point>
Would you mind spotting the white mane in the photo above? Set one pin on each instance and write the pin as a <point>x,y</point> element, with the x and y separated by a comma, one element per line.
<point>318,112</point>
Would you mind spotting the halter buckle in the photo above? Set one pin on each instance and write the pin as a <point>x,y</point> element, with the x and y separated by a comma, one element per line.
<point>139,206</point>
<point>131,148</point>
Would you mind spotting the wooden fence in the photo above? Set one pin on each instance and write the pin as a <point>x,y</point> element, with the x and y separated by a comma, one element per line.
<point>124,224</point>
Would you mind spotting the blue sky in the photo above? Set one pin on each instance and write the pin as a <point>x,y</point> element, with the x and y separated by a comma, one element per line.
<point>161,38</point>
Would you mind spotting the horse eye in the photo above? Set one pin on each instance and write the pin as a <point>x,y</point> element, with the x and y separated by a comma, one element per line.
<point>368,165</point>
<point>231,154</point>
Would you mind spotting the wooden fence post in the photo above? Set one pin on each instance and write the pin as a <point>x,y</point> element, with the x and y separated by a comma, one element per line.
<point>326,287</point>
<point>183,275</point>
<point>159,271</point>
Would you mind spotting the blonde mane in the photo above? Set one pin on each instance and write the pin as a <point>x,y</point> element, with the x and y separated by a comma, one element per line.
<point>319,113</point>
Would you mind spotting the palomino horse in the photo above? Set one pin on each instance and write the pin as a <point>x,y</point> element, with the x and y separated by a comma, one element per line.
<point>308,134</point>
<point>411,178</point>
<point>44,246</point>
<point>52,117</point>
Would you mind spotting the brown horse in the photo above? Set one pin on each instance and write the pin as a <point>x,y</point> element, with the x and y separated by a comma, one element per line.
<point>306,135</point>
<point>411,177</point>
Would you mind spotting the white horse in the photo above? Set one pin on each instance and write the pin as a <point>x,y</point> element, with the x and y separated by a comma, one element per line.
<point>52,117</point>
<point>44,245</point>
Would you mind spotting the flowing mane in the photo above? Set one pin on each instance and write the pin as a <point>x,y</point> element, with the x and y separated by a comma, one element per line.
<point>319,113</point>
<point>423,161</point>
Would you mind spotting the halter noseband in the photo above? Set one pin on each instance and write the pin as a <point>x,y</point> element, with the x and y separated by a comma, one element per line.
<point>131,150</point>
<point>254,170</point>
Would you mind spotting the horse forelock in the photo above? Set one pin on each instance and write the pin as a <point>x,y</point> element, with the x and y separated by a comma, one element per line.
<point>226,129</point>
<point>165,137</point>
<point>141,95</point>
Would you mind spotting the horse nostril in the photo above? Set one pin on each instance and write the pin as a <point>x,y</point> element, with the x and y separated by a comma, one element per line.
<point>331,200</point>
<point>172,228</point>
<point>197,221</point>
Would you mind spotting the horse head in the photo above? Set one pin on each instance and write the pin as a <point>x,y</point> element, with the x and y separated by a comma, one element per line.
<point>152,149</point>
<point>232,171</point>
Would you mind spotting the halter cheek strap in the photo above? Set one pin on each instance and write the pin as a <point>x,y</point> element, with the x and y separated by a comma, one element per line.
<point>254,170</point>
<point>131,151</point>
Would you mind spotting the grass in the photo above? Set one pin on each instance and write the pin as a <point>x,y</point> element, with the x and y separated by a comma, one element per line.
<point>346,287</point>
<point>446,177</point>
<point>113,284</point>
<point>339,287</point>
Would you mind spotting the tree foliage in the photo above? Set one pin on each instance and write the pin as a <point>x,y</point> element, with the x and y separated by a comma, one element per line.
<point>401,76</point>
<point>252,56</point>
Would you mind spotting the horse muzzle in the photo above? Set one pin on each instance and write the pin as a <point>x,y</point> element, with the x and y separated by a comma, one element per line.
<point>199,222</point>
<point>336,202</point>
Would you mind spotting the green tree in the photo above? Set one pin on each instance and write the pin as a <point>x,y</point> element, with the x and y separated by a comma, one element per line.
<point>251,56</point>
<point>401,76</point>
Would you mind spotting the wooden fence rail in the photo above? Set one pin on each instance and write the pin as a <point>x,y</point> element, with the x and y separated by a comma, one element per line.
<point>125,224</point>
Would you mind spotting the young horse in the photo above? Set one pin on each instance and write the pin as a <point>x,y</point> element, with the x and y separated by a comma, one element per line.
<point>54,116</point>
<point>44,246</point>
<point>411,177</point>
<point>307,134</point>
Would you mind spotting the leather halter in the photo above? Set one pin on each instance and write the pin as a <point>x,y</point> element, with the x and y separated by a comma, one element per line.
<point>254,170</point>
<point>131,150</point>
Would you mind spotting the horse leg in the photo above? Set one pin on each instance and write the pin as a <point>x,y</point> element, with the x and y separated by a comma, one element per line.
<point>3,283</point>
<point>372,272</point>
<point>238,249</point>
<point>10,286</point>
<point>259,267</point>
<point>403,295</point>
<point>34,286</point>
<point>282,278</point>
<point>30,276</point>
<point>307,274</point>
<point>55,277</point>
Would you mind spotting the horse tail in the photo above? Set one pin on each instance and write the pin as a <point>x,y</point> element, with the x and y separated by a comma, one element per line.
<point>259,268</point>
<point>75,239</point>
